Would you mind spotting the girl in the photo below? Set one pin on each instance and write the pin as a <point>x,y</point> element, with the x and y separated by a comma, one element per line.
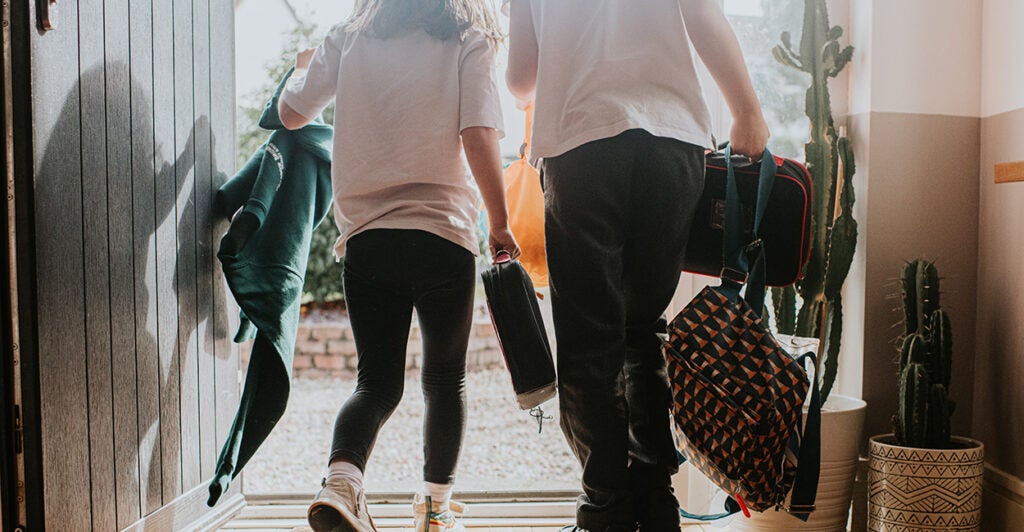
<point>413,86</point>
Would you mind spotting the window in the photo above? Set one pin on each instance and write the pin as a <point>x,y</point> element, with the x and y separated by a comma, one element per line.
<point>781,89</point>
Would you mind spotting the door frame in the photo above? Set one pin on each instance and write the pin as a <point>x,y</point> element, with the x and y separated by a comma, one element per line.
<point>21,467</point>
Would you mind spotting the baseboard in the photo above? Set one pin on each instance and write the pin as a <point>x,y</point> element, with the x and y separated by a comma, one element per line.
<point>189,512</point>
<point>1003,501</point>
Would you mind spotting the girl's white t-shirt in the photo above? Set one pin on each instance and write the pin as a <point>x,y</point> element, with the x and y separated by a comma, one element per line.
<point>608,66</point>
<point>400,106</point>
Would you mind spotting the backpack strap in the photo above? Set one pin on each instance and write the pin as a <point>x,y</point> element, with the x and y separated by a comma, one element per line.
<point>731,508</point>
<point>738,269</point>
<point>805,486</point>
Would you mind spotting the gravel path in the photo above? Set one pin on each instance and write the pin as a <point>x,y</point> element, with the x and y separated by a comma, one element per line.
<point>502,450</point>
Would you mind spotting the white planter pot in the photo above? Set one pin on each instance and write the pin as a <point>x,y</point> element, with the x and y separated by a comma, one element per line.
<point>842,421</point>
<point>919,490</point>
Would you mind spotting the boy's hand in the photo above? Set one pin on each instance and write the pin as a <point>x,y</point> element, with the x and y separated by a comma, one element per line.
<point>303,58</point>
<point>501,239</point>
<point>749,137</point>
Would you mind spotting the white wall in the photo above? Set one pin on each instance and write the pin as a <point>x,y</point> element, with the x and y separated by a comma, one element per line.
<point>919,56</point>
<point>1002,60</point>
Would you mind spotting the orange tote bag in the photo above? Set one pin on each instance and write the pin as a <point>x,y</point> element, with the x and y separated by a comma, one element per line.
<point>526,210</point>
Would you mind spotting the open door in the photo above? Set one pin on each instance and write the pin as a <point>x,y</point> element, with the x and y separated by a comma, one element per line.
<point>129,375</point>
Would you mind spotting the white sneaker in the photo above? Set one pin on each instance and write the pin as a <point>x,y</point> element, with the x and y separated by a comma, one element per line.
<point>432,516</point>
<point>340,507</point>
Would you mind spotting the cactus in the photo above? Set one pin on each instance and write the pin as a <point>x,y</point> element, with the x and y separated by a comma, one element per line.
<point>829,159</point>
<point>925,362</point>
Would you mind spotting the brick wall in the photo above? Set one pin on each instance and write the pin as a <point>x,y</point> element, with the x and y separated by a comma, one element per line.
<point>329,347</point>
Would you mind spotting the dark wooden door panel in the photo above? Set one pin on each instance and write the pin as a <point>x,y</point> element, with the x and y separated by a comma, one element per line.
<point>167,192</point>
<point>185,130</point>
<point>60,280</point>
<point>222,143</point>
<point>206,262</point>
<point>120,178</point>
<point>144,220</point>
<point>96,260</point>
<point>138,379</point>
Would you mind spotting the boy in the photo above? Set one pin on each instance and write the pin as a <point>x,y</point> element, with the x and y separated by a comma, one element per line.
<point>621,127</point>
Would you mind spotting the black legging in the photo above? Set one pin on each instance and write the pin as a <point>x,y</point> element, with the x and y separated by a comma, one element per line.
<point>388,272</point>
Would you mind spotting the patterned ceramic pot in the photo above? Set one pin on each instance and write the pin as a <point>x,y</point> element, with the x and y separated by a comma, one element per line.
<point>924,490</point>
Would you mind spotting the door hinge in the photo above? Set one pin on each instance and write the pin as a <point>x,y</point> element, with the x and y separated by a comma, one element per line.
<point>19,431</point>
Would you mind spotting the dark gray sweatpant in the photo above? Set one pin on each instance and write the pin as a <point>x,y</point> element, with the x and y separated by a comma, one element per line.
<point>617,215</point>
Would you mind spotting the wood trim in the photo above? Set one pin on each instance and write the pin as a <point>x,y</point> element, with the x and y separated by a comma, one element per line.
<point>563,511</point>
<point>26,377</point>
<point>293,498</point>
<point>1010,486</point>
<point>12,468</point>
<point>189,512</point>
<point>1003,499</point>
<point>1010,172</point>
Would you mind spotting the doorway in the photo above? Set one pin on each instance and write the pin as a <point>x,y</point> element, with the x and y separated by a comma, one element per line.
<point>505,450</point>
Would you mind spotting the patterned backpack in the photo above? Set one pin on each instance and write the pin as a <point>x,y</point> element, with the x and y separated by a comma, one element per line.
<point>738,396</point>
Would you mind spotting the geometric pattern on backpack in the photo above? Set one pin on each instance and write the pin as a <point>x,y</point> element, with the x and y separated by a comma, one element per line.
<point>737,399</point>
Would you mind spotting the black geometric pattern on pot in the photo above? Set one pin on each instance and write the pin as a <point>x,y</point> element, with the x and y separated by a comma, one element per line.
<point>912,489</point>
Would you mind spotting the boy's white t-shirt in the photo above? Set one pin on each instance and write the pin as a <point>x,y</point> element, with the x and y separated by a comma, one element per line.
<point>401,104</point>
<point>608,66</point>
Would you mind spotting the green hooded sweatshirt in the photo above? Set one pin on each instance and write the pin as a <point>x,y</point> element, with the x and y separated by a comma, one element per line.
<point>275,201</point>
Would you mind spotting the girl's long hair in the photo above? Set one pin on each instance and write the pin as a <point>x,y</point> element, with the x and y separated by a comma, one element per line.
<point>442,19</point>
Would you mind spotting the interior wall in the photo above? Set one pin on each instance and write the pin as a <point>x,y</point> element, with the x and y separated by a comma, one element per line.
<point>999,398</point>
<point>915,128</point>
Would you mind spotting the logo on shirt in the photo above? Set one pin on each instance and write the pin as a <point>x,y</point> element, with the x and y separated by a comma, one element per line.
<point>275,153</point>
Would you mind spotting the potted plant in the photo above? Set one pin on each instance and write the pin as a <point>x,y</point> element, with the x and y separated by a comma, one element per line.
<point>920,477</point>
<point>813,307</point>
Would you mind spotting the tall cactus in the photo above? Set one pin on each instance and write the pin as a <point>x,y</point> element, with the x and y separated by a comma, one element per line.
<point>925,361</point>
<point>829,160</point>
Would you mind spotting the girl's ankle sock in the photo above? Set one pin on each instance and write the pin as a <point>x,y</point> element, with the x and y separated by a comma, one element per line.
<point>438,493</point>
<point>346,471</point>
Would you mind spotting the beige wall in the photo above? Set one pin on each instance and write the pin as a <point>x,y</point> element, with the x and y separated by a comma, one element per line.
<point>937,99</point>
<point>918,183</point>
<point>998,418</point>
<point>999,402</point>
<point>914,97</point>
<point>999,399</point>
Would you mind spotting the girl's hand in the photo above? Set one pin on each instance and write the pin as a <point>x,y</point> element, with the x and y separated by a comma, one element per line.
<point>502,240</point>
<point>303,58</point>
